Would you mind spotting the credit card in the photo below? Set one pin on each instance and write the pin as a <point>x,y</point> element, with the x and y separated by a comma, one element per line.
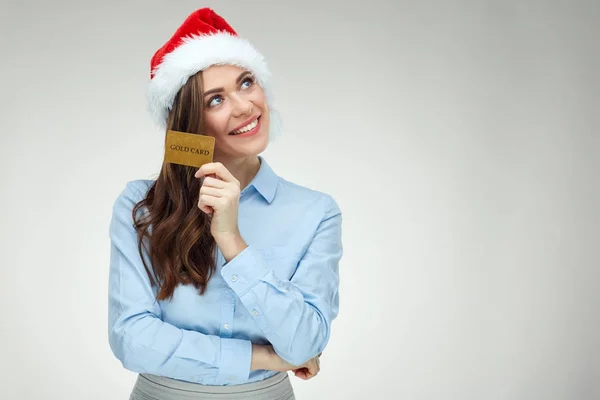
<point>189,149</point>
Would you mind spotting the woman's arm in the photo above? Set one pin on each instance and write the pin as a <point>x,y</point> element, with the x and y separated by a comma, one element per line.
<point>294,315</point>
<point>265,357</point>
<point>137,335</point>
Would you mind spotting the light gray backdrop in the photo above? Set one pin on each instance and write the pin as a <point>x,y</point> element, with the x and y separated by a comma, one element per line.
<point>461,139</point>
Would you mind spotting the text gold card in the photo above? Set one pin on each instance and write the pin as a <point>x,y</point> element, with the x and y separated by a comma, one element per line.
<point>188,148</point>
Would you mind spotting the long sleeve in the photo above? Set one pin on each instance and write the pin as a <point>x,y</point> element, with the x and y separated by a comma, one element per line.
<point>295,315</point>
<point>138,336</point>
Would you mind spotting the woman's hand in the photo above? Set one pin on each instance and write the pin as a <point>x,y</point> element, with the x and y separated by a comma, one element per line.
<point>310,369</point>
<point>219,197</point>
<point>265,357</point>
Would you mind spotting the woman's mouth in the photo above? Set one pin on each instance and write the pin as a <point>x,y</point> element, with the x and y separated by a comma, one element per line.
<point>248,130</point>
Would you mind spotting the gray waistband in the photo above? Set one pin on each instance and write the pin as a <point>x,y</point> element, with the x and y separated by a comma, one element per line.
<point>277,387</point>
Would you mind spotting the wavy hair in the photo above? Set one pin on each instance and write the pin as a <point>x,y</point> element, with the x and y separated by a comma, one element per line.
<point>179,243</point>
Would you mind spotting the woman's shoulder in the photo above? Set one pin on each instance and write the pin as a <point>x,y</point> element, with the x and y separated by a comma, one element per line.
<point>132,192</point>
<point>304,195</point>
<point>137,188</point>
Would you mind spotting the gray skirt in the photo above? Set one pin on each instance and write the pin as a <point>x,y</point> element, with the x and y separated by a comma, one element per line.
<point>152,387</point>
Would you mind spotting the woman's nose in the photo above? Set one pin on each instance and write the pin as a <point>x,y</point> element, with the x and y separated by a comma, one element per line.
<point>243,107</point>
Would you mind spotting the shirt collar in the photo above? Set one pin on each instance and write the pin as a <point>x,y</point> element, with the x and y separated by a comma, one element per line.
<point>265,181</point>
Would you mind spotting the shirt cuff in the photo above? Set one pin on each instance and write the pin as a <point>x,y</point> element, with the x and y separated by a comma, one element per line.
<point>236,359</point>
<point>244,271</point>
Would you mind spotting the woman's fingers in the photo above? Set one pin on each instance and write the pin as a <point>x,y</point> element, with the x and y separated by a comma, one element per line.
<point>214,182</point>
<point>218,169</point>
<point>309,370</point>
<point>212,188</point>
<point>207,203</point>
<point>211,191</point>
<point>205,209</point>
<point>301,373</point>
<point>313,367</point>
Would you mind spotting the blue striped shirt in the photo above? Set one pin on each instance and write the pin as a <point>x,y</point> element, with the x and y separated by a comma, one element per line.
<point>282,289</point>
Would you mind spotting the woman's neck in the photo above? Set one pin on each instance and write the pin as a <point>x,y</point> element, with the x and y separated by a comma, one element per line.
<point>243,169</point>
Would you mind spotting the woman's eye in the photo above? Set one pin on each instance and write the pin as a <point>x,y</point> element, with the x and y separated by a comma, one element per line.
<point>246,83</point>
<point>213,102</point>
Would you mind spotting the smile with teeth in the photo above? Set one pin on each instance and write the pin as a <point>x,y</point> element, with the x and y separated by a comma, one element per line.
<point>246,128</point>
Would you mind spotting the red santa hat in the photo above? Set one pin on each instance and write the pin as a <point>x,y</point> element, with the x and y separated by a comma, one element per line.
<point>204,39</point>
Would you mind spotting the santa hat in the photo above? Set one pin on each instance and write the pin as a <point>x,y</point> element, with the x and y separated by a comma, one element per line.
<point>204,39</point>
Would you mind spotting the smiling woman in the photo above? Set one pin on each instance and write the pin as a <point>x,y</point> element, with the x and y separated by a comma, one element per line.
<point>222,278</point>
<point>235,109</point>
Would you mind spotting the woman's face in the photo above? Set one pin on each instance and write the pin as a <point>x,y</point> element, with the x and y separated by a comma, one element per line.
<point>235,111</point>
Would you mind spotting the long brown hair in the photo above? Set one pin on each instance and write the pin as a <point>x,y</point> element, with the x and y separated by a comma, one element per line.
<point>180,245</point>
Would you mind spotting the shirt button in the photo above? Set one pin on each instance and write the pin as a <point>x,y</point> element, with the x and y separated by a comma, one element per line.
<point>255,313</point>
<point>234,278</point>
<point>226,326</point>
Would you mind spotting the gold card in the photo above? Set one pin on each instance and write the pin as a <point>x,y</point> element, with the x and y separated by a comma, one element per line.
<point>188,148</point>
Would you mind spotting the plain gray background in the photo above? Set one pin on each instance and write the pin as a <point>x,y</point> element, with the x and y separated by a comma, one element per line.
<point>460,138</point>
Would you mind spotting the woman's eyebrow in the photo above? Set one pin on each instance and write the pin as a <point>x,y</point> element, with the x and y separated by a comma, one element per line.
<point>220,89</point>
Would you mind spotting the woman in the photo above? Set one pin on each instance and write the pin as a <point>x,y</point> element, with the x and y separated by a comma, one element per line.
<point>223,277</point>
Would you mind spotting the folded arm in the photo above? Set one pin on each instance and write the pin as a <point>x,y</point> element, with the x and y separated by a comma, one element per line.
<point>295,315</point>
